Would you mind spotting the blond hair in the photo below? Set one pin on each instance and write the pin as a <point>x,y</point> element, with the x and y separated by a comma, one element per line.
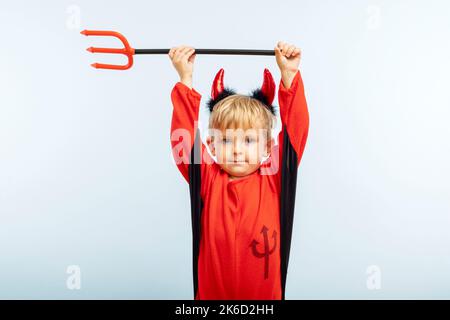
<point>240,111</point>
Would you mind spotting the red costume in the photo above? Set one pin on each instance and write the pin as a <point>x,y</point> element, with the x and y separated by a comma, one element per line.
<point>241,228</point>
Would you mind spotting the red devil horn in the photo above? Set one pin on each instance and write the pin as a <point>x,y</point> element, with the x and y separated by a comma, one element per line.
<point>268,87</point>
<point>217,86</point>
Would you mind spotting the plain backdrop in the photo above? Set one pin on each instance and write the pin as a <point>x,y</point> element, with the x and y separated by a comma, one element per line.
<point>86,172</point>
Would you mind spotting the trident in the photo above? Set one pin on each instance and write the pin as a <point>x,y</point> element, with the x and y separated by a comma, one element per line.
<point>267,251</point>
<point>128,51</point>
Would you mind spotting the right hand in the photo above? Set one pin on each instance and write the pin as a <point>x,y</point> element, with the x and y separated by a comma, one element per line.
<point>183,60</point>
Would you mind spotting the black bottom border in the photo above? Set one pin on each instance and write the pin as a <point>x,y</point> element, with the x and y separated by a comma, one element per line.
<point>225,309</point>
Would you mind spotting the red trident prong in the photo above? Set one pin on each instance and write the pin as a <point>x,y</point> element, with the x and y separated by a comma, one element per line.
<point>127,50</point>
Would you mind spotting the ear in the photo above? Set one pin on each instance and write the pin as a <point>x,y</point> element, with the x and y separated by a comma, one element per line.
<point>270,145</point>
<point>210,142</point>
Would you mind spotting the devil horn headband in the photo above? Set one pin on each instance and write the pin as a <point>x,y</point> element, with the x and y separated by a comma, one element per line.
<point>265,94</point>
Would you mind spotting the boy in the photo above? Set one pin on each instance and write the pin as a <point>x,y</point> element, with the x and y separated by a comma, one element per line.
<point>241,206</point>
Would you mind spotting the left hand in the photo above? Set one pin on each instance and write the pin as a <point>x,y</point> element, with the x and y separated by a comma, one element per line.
<point>287,56</point>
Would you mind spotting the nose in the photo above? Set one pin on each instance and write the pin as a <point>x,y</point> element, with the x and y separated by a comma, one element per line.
<point>238,147</point>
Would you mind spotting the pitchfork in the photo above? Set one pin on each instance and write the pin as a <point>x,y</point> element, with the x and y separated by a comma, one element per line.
<point>129,51</point>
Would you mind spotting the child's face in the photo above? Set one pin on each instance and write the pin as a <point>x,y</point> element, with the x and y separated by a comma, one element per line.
<point>239,152</point>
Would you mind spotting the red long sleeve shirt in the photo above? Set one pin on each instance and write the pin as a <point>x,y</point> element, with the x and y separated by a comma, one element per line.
<point>239,249</point>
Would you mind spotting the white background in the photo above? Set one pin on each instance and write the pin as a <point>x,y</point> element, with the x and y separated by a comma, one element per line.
<point>87,177</point>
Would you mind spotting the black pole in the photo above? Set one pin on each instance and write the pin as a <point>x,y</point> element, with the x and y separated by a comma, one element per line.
<point>212,51</point>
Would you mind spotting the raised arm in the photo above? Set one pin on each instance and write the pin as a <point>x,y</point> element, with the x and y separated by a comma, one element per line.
<point>294,113</point>
<point>186,104</point>
<point>291,97</point>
